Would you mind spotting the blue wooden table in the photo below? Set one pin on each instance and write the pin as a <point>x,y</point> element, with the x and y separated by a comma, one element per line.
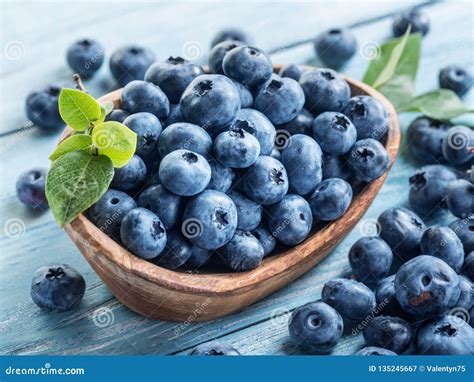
<point>34,39</point>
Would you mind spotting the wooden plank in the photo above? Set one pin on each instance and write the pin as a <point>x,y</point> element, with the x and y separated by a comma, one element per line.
<point>26,330</point>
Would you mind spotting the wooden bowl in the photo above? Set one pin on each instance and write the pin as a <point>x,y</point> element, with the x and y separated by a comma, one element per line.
<point>159,293</point>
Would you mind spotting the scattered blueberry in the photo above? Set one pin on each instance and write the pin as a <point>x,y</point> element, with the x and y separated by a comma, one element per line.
<point>369,117</point>
<point>455,78</point>
<point>418,20</point>
<point>316,327</point>
<point>443,243</point>
<point>131,176</point>
<point>236,148</point>
<point>243,252</point>
<point>143,233</point>
<point>185,136</point>
<point>458,144</point>
<point>290,219</point>
<point>460,198</point>
<point>221,177</point>
<point>30,189</point>
<point>334,132</point>
<point>425,139</point>
<point>291,71</point>
<point>42,108</point>
<point>335,47</point>
<point>142,96</point>
<point>85,57</point>
<point>218,52</point>
<point>373,350</point>
<point>390,333</point>
<point>249,213</point>
<point>233,34</point>
<point>173,76</point>
<point>148,129</point>
<point>331,199</point>
<point>369,159</point>
<point>176,253</point>
<point>57,288</point>
<point>130,63</point>
<point>214,348</point>
<point>370,258</point>
<point>255,123</point>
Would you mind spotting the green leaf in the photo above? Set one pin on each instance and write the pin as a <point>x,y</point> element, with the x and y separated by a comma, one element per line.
<point>74,142</point>
<point>442,104</point>
<point>398,90</point>
<point>116,141</point>
<point>75,181</point>
<point>105,109</point>
<point>78,109</point>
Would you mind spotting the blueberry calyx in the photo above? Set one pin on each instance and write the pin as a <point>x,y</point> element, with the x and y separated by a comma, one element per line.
<point>328,75</point>
<point>176,60</point>
<point>237,132</point>
<point>341,122</point>
<point>359,109</point>
<point>55,273</point>
<point>135,50</point>
<point>244,125</point>
<point>221,218</point>
<point>447,330</point>
<point>417,181</point>
<point>274,86</point>
<point>189,157</point>
<point>276,176</point>
<point>203,87</point>
<point>158,229</point>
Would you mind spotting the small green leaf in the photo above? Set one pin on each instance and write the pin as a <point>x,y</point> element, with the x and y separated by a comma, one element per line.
<point>75,181</point>
<point>442,104</point>
<point>399,90</point>
<point>105,109</point>
<point>74,142</point>
<point>78,109</point>
<point>116,141</point>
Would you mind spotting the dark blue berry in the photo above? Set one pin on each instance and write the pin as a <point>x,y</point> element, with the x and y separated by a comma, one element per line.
<point>335,47</point>
<point>130,63</point>
<point>42,108</point>
<point>141,96</point>
<point>30,189</point>
<point>85,57</point>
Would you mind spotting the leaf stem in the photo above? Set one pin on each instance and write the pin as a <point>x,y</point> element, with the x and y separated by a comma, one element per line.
<point>79,85</point>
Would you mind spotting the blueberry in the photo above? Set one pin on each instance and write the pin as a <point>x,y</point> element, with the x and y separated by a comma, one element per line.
<point>246,97</point>
<point>218,52</point>
<point>324,90</point>
<point>387,300</point>
<point>336,166</point>
<point>331,199</point>
<point>370,258</point>
<point>30,189</point>
<point>211,101</point>
<point>130,63</point>
<point>185,136</point>
<point>176,253</point>
<point>369,117</point>
<point>468,267</point>
<point>368,159</point>
<point>352,299</point>
<point>233,34</point>
<point>390,333</point>
<point>131,176</point>
<point>221,177</point>
<point>108,212</point>
<point>167,206</point>
<point>291,71</point>
<point>334,132</point>
<point>143,233</point>
<point>447,335</point>
<point>148,129</point>
<point>401,229</point>
<point>276,154</point>
<point>174,116</point>
<point>460,198</point>
<point>373,350</point>
<point>428,187</point>
<point>249,213</point>
<point>418,20</point>
<point>42,108</point>
<point>236,148</point>
<point>301,124</point>
<point>255,123</point>
<point>335,47</point>
<point>85,57</point>
<point>141,96</point>
<point>426,286</point>
<point>210,219</point>
<point>290,219</point>
<point>57,288</point>
<point>117,115</point>
<point>466,298</point>
<point>173,76</point>
<point>443,243</point>
<point>265,238</point>
<point>184,172</point>
<point>457,145</point>
<point>425,139</point>
<point>248,65</point>
<point>265,182</point>
<point>214,348</point>
<point>280,99</point>
<point>199,257</point>
<point>243,252</point>
<point>316,327</point>
<point>303,161</point>
<point>455,78</point>
<point>464,229</point>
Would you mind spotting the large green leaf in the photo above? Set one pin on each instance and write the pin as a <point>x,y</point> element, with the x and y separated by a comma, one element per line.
<point>74,142</point>
<point>75,181</point>
<point>78,109</point>
<point>116,141</point>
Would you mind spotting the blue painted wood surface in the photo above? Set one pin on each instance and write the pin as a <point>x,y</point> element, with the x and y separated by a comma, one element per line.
<point>40,34</point>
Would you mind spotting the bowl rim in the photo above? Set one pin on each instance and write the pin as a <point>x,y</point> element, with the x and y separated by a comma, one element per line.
<point>211,284</point>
